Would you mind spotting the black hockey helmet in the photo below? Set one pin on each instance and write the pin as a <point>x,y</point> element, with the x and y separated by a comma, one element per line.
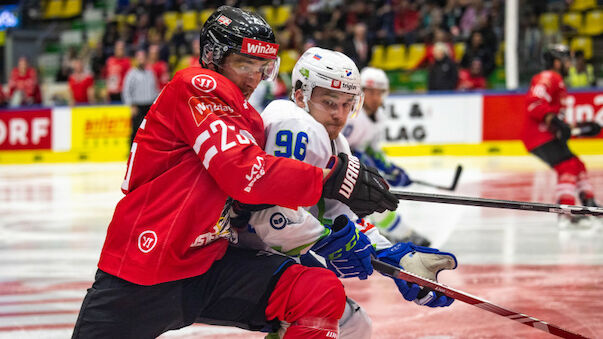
<point>559,52</point>
<point>233,30</point>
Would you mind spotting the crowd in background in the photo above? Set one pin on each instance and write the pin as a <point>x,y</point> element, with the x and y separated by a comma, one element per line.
<point>352,27</point>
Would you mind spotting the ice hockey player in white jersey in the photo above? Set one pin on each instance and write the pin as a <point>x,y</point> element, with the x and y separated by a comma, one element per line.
<point>326,89</point>
<point>364,133</point>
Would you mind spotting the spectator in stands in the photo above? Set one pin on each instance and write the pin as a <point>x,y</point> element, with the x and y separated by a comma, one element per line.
<point>81,84</point>
<point>23,87</point>
<point>359,48</point>
<point>443,74</point>
<point>139,90</point>
<point>115,70</point>
<point>472,16</point>
<point>581,74</point>
<point>407,21</point>
<point>472,78</point>
<point>477,49</point>
<point>438,35</point>
<point>195,53</point>
<point>159,67</point>
<point>66,64</point>
<point>2,97</point>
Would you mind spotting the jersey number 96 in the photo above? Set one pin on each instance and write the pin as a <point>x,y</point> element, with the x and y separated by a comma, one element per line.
<point>290,147</point>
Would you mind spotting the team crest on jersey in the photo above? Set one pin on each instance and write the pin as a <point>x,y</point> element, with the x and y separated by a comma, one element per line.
<point>147,241</point>
<point>278,221</point>
<point>201,107</point>
<point>204,83</point>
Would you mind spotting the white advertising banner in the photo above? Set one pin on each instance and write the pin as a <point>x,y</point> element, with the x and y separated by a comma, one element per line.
<point>434,119</point>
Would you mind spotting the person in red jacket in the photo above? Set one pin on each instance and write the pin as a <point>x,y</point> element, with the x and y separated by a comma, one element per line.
<point>23,83</point>
<point>160,68</point>
<point>115,71</point>
<point>167,261</point>
<point>545,134</point>
<point>472,78</point>
<point>81,84</point>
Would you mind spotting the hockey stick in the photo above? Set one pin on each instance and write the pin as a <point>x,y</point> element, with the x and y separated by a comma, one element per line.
<point>396,272</point>
<point>508,204</point>
<point>452,187</point>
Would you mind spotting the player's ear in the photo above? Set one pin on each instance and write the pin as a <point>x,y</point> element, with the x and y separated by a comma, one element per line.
<point>299,98</point>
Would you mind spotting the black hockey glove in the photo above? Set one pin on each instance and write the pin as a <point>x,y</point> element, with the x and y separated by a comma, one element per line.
<point>240,213</point>
<point>358,186</point>
<point>588,129</point>
<point>560,129</point>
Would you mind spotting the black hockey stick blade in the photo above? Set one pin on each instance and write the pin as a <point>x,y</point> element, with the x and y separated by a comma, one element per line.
<point>452,187</point>
<point>495,203</point>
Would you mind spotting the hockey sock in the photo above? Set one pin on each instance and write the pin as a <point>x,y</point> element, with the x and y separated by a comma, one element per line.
<point>567,176</point>
<point>311,299</point>
<point>585,189</point>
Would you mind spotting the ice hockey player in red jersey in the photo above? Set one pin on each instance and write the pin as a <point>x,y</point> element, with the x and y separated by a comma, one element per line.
<point>167,261</point>
<point>545,133</point>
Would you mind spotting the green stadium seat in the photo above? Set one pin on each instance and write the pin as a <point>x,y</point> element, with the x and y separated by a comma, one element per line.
<point>593,24</point>
<point>549,22</point>
<point>189,21</point>
<point>459,51</point>
<point>583,43</point>
<point>395,57</point>
<point>572,19</point>
<point>416,53</point>
<point>581,5</point>
<point>378,57</point>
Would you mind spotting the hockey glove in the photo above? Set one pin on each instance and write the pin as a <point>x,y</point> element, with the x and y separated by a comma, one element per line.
<point>588,129</point>
<point>240,213</point>
<point>346,250</point>
<point>560,129</point>
<point>358,186</point>
<point>424,261</point>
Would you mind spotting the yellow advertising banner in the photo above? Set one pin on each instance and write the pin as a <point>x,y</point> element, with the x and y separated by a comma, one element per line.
<point>101,132</point>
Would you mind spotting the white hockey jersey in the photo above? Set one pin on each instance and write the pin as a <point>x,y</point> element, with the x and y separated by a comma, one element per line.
<point>293,133</point>
<point>362,132</point>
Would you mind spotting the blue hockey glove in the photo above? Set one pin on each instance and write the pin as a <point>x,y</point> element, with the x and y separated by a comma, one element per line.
<point>424,261</point>
<point>346,250</point>
<point>394,175</point>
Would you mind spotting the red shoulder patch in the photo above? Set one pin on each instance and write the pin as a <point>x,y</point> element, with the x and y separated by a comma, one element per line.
<point>201,107</point>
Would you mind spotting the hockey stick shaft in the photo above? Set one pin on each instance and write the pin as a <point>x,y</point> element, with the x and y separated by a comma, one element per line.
<point>495,203</point>
<point>396,272</point>
<point>452,187</point>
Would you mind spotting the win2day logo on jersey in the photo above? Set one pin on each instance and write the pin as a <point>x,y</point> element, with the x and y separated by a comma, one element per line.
<point>201,107</point>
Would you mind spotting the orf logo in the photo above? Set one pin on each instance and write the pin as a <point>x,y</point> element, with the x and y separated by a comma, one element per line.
<point>204,83</point>
<point>147,241</point>
<point>335,83</point>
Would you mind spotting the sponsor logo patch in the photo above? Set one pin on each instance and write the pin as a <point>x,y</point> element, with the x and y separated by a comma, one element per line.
<point>335,83</point>
<point>278,221</point>
<point>348,72</point>
<point>224,20</point>
<point>259,48</point>
<point>201,107</point>
<point>351,174</point>
<point>317,57</point>
<point>147,241</point>
<point>257,171</point>
<point>204,83</point>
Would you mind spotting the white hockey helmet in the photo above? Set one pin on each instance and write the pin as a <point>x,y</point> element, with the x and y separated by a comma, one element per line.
<point>372,77</point>
<point>319,67</point>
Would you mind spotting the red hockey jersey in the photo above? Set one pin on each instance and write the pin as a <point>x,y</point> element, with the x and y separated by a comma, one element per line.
<point>546,95</point>
<point>200,143</point>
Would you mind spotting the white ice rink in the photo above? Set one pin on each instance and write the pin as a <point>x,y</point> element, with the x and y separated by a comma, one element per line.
<point>53,220</point>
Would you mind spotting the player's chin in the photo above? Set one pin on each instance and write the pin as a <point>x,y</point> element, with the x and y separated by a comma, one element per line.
<point>334,131</point>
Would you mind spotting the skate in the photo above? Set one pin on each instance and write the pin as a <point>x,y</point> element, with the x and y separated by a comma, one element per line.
<point>567,222</point>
